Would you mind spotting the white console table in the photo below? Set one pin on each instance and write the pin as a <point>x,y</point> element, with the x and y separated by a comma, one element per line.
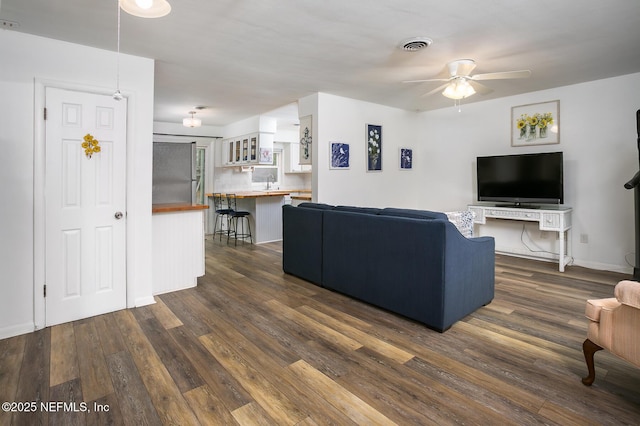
<point>550,218</point>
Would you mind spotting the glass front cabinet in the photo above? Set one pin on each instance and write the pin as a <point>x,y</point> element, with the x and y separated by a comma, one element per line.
<point>245,150</point>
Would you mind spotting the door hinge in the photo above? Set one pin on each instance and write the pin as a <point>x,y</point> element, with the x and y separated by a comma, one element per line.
<point>45,114</point>
<point>45,290</point>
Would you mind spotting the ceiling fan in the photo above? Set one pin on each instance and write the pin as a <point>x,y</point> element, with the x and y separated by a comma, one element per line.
<point>461,84</point>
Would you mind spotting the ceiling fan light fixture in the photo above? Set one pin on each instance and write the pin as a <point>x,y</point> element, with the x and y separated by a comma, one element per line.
<point>191,121</point>
<point>458,89</point>
<point>144,4</point>
<point>146,8</point>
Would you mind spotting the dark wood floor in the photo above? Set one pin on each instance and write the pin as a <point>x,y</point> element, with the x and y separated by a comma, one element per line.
<point>251,345</point>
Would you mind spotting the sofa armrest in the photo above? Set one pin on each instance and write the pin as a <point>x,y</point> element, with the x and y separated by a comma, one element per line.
<point>469,273</point>
<point>302,242</point>
<point>594,307</point>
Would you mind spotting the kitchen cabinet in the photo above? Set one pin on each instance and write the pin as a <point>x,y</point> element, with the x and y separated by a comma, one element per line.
<point>245,150</point>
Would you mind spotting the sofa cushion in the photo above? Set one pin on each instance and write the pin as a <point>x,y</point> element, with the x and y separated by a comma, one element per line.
<point>353,209</point>
<point>319,206</point>
<point>628,293</point>
<point>414,214</point>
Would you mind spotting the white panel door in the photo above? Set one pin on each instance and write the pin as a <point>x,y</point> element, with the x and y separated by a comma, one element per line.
<point>85,208</point>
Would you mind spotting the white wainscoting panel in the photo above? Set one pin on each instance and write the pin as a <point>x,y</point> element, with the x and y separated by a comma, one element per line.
<point>178,250</point>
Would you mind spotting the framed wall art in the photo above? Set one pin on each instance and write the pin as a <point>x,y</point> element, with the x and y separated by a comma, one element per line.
<point>339,158</point>
<point>266,156</point>
<point>406,158</point>
<point>306,139</point>
<point>374,147</point>
<point>535,124</point>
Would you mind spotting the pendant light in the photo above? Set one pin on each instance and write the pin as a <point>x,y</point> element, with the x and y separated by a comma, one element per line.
<point>146,8</point>
<point>117,95</point>
<point>191,121</point>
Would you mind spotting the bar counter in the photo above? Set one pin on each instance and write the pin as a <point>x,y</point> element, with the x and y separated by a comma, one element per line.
<point>178,246</point>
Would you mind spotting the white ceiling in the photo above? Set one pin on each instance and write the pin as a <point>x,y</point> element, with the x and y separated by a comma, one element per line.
<point>241,58</point>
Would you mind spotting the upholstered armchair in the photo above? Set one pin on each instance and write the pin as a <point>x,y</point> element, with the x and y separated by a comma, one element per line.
<point>614,324</point>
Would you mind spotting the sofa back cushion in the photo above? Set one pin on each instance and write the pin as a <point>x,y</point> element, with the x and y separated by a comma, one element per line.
<point>319,206</point>
<point>410,213</point>
<point>364,210</point>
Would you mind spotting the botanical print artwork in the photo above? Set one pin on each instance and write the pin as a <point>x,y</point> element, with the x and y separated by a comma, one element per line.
<point>535,124</point>
<point>266,156</point>
<point>306,139</point>
<point>406,158</point>
<point>374,147</point>
<point>339,155</point>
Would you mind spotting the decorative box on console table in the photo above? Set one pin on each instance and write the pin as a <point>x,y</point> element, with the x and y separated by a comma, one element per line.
<point>550,218</point>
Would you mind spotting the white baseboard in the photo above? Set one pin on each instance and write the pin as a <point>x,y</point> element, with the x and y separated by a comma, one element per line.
<point>16,330</point>
<point>144,301</point>
<point>603,266</point>
<point>549,257</point>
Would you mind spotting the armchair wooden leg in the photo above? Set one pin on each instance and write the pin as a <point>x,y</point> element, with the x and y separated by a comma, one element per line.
<point>589,348</point>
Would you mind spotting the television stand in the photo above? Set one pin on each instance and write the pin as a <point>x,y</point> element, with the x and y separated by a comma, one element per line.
<point>518,206</point>
<point>549,218</point>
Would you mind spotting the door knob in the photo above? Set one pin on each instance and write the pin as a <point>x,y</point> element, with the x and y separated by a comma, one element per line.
<point>118,215</point>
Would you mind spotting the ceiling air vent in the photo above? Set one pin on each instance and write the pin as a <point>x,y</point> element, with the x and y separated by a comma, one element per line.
<point>416,43</point>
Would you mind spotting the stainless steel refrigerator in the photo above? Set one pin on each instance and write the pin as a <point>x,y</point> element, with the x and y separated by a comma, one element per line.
<point>174,172</point>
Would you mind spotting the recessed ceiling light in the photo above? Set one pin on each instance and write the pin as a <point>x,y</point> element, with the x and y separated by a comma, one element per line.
<point>415,43</point>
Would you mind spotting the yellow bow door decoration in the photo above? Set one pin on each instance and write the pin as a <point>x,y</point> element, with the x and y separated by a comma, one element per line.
<point>90,145</point>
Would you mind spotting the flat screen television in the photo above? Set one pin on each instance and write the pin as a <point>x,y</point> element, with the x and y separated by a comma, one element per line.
<point>521,179</point>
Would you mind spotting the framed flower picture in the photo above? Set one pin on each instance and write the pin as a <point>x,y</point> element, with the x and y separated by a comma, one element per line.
<point>266,156</point>
<point>406,158</point>
<point>535,124</point>
<point>339,156</point>
<point>374,147</point>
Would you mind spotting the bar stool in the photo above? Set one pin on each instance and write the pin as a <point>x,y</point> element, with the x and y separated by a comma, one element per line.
<point>234,216</point>
<point>222,214</point>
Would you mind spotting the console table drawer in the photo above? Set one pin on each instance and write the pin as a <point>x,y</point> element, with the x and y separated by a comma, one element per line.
<point>550,221</point>
<point>513,214</point>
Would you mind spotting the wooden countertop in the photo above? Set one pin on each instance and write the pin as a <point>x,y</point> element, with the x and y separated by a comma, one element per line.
<point>258,194</point>
<point>177,207</point>
<point>301,197</point>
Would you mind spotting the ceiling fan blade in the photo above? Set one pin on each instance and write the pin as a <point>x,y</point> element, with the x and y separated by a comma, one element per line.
<point>423,81</point>
<point>480,88</point>
<point>436,90</point>
<point>501,75</point>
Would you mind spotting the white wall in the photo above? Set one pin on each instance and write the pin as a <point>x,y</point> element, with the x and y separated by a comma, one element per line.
<point>337,119</point>
<point>598,138</point>
<point>29,61</point>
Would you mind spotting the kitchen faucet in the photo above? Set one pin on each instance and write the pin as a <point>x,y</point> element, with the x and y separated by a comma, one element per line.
<point>268,180</point>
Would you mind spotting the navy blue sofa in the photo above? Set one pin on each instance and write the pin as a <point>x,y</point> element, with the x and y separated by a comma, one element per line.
<point>411,262</point>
